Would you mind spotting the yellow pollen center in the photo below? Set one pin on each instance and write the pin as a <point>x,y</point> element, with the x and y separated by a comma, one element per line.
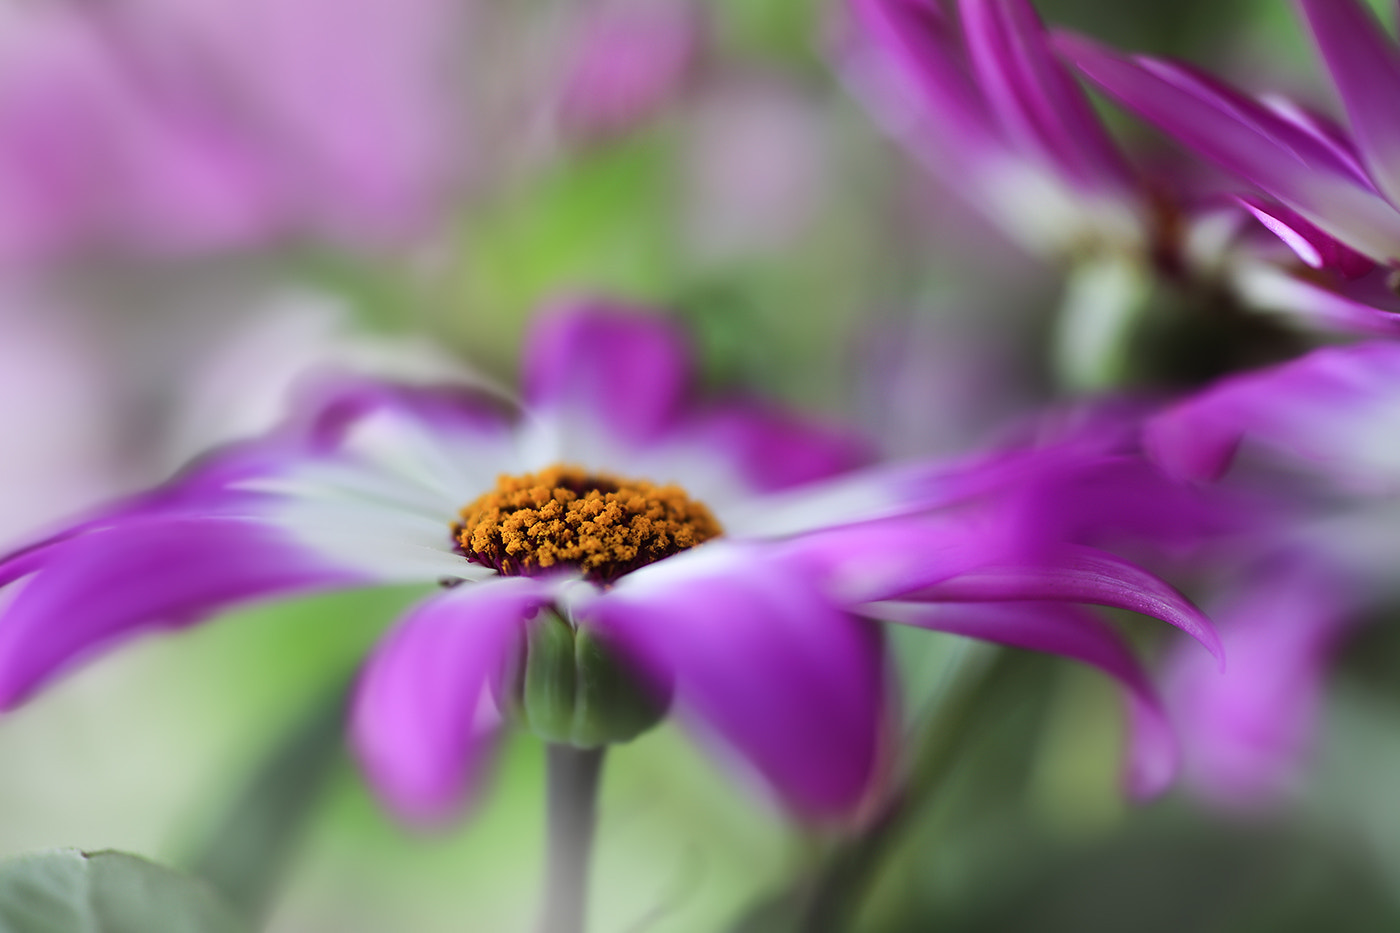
<point>604,525</point>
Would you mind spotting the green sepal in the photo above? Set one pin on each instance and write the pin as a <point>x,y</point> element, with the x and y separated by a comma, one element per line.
<point>612,704</point>
<point>549,682</point>
<point>574,690</point>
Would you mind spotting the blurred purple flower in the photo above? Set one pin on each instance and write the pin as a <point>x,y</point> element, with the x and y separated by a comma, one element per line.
<point>178,126</point>
<point>1322,429</point>
<point>994,112</point>
<point>1245,735</point>
<point>757,634</point>
<point>628,58</point>
<point>1333,198</point>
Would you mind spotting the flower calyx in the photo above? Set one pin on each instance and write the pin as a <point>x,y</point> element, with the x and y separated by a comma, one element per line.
<point>571,688</point>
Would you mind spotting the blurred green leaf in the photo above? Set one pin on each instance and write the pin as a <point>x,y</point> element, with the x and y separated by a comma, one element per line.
<point>250,845</point>
<point>67,891</point>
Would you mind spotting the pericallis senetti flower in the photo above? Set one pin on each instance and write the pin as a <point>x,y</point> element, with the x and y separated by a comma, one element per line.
<point>1332,196</point>
<point>609,551</point>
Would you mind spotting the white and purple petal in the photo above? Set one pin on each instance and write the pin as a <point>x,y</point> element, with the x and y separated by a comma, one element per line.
<point>592,366</point>
<point>1037,103</point>
<point>773,450</point>
<point>426,709</point>
<point>1365,66</point>
<point>75,595</point>
<point>1364,306</point>
<point>908,57</point>
<point>760,660</point>
<point>1250,140</point>
<point>1311,245</point>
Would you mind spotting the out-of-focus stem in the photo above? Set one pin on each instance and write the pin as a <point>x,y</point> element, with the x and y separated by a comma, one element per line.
<point>572,776</point>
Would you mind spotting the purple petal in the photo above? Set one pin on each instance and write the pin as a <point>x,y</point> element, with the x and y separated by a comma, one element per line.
<point>1314,247</point>
<point>1365,306</point>
<point>329,408</point>
<point>425,717</point>
<point>1365,67</point>
<point>909,53</point>
<point>1078,575</point>
<point>622,366</point>
<point>1075,633</point>
<point>1248,139</point>
<point>81,593</point>
<point>1325,132</point>
<point>1245,733</point>
<point>1334,408</point>
<point>776,450</point>
<point>761,660</point>
<point>1032,95</point>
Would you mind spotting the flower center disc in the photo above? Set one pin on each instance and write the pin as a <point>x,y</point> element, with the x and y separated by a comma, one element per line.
<point>604,525</point>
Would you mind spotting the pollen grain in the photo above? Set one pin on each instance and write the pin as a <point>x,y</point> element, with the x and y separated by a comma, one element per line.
<point>563,516</point>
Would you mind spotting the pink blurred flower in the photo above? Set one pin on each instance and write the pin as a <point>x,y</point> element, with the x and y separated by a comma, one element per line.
<point>626,60</point>
<point>180,126</point>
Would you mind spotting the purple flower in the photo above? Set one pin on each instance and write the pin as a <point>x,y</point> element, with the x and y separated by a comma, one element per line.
<point>1332,197</point>
<point>991,109</point>
<point>1321,432</point>
<point>726,553</point>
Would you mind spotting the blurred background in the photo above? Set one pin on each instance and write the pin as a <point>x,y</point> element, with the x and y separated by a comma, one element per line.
<point>200,199</point>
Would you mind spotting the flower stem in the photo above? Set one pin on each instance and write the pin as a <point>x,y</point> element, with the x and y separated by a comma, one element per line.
<point>572,776</point>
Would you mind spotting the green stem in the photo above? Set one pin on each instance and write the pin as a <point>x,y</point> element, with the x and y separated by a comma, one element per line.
<point>572,777</point>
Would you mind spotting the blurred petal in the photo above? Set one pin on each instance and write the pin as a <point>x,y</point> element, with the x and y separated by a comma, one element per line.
<point>909,49</point>
<point>761,661</point>
<point>1365,66</point>
<point>1075,633</point>
<point>1314,247</point>
<point>621,366</point>
<point>776,450</point>
<point>1248,139</point>
<point>1336,408</point>
<point>628,59</point>
<point>81,593</point>
<point>1033,96</point>
<point>1078,575</point>
<point>1364,306</point>
<point>1244,733</point>
<point>358,132</point>
<point>425,715</point>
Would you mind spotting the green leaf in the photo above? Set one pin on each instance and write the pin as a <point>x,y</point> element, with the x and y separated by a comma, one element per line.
<point>67,891</point>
